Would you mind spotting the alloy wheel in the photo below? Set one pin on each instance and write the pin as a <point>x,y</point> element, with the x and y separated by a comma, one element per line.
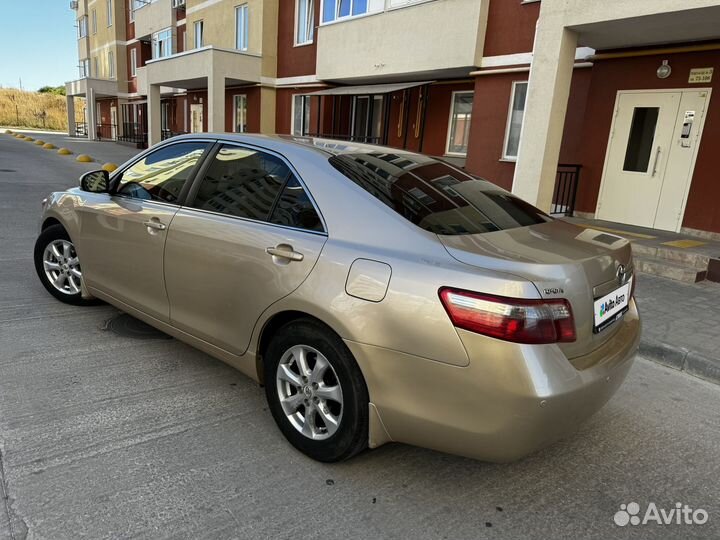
<point>309,392</point>
<point>62,266</point>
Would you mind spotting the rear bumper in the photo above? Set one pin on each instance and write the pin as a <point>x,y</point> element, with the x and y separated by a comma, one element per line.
<point>508,402</point>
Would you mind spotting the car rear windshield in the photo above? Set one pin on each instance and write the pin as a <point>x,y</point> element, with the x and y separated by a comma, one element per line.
<point>436,196</point>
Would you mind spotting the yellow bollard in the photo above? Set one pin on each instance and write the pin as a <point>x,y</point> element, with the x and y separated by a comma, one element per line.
<point>109,167</point>
<point>39,142</point>
<point>19,136</point>
<point>49,146</point>
<point>8,131</point>
<point>84,158</point>
<point>64,152</point>
<point>29,139</point>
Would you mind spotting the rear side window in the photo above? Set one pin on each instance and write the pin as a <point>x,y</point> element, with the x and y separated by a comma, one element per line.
<point>295,209</point>
<point>435,195</point>
<point>242,182</point>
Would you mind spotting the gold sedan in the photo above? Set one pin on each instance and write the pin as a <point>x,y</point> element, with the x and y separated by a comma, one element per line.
<point>379,295</point>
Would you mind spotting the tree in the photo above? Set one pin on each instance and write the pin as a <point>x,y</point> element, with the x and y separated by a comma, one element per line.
<point>58,90</point>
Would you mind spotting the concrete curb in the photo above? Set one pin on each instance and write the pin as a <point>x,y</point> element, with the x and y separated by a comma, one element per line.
<point>680,358</point>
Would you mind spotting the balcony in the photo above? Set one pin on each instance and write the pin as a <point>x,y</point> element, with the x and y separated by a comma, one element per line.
<point>153,17</point>
<point>428,40</point>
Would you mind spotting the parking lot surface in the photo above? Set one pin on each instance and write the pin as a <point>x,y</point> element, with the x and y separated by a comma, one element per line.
<point>110,430</point>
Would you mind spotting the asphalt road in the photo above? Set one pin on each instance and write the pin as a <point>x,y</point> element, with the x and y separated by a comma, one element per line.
<point>108,436</point>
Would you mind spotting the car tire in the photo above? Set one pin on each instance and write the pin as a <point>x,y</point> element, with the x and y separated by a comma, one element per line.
<point>67,289</point>
<point>314,399</point>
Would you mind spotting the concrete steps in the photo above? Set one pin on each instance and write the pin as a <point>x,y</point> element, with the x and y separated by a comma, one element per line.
<point>671,263</point>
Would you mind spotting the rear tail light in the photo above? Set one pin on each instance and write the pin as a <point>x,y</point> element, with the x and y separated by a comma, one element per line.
<point>510,319</point>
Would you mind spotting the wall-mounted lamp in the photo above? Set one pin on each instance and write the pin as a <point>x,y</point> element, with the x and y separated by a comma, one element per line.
<point>664,71</point>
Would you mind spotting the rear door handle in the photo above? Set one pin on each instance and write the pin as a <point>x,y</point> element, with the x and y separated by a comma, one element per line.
<point>284,251</point>
<point>155,224</point>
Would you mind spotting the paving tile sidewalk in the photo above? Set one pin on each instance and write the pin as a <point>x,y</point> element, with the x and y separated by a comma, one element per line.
<point>681,324</point>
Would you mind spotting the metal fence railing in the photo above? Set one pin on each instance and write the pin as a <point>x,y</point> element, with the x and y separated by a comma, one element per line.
<point>566,186</point>
<point>132,133</point>
<point>81,129</point>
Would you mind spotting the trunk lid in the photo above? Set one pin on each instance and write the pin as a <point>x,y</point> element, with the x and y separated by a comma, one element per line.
<point>562,260</point>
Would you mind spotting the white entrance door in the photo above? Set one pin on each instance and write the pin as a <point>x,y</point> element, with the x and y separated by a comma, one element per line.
<point>196,118</point>
<point>113,123</point>
<point>650,157</point>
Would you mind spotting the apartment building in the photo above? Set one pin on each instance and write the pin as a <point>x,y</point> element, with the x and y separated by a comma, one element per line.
<point>101,36</point>
<point>619,93</point>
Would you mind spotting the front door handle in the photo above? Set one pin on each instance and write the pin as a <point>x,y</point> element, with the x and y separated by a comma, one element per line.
<point>155,224</point>
<point>284,251</point>
<point>655,164</point>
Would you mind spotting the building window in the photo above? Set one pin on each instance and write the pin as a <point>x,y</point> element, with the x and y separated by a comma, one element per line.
<point>333,10</point>
<point>111,65</point>
<point>94,21</point>
<point>84,68</point>
<point>304,21</point>
<point>96,68</point>
<point>162,43</point>
<point>82,27</point>
<point>459,128</point>
<point>241,27</point>
<point>198,27</point>
<point>300,115</point>
<point>109,9</point>
<point>132,13</point>
<point>240,113</point>
<point>133,62</point>
<point>515,120</point>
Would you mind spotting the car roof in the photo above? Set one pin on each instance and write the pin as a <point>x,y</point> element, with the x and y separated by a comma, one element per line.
<point>321,145</point>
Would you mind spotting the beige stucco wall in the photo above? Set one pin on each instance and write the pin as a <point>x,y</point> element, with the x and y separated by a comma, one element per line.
<point>435,35</point>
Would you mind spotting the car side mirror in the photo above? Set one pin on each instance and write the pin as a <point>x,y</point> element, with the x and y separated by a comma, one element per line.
<point>95,181</point>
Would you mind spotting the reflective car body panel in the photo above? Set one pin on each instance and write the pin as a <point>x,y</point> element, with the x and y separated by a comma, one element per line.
<point>209,280</point>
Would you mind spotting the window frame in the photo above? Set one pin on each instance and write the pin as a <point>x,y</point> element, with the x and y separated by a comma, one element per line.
<point>245,27</point>
<point>133,62</point>
<point>82,27</point>
<point>199,175</point>
<point>367,12</point>
<point>111,64</point>
<point>450,120</point>
<point>116,176</point>
<point>292,116</point>
<point>109,12</point>
<point>93,21</point>
<point>201,24</point>
<point>506,139</point>
<point>310,10</point>
<point>234,105</point>
<point>155,41</point>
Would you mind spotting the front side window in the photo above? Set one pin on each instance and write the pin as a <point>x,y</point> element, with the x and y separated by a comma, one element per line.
<point>198,26</point>
<point>304,21</point>
<point>242,27</point>
<point>242,182</point>
<point>162,43</point>
<point>300,115</point>
<point>240,113</point>
<point>333,10</point>
<point>161,175</point>
<point>436,196</point>
<point>459,128</point>
<point>515,120</point>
